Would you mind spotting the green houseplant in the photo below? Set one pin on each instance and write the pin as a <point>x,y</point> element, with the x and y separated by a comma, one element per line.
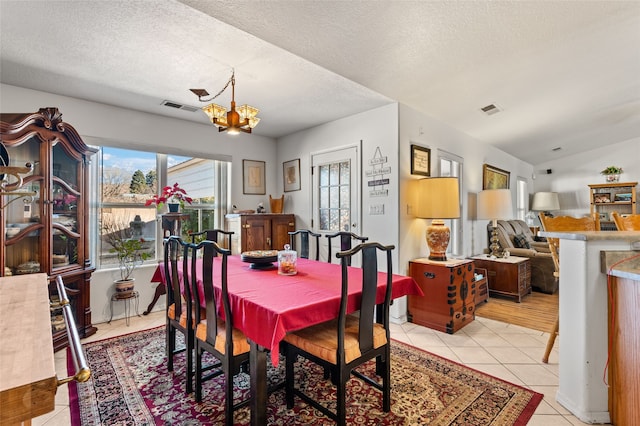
<point>131,251</point>
<point>612,173</point>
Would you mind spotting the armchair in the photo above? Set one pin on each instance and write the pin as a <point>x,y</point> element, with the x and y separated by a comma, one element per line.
<point>515,236</point>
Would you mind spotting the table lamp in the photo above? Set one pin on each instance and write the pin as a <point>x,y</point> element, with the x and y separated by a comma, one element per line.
<point>438,199</point>
<point>494,204</point>
<point>545,202</point>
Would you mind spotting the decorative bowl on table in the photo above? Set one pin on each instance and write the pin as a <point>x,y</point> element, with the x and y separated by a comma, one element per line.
<point>260,259</point>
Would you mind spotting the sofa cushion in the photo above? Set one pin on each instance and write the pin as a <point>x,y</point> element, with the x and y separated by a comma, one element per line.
<point>521,241</point>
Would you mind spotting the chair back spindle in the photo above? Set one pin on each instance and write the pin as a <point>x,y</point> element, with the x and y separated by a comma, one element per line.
<point>305,236</point>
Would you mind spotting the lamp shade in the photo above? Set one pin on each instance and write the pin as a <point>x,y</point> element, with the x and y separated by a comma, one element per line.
<point>545,201</point>
<point>494,204</point>
<point>438,198</point>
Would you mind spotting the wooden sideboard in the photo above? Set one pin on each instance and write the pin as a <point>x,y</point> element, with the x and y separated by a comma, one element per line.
<point>259,231</point>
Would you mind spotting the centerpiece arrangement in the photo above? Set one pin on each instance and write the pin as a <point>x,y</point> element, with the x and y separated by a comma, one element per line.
<point>612,174</point>
<point>173,196</point>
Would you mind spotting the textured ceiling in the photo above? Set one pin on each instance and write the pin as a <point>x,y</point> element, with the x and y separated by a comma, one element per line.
<point>564,73</point>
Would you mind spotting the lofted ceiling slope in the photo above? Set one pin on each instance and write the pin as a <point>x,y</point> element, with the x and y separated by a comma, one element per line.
<point>563,73</point>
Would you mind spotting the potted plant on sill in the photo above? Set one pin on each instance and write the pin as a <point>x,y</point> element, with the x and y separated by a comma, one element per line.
<point>173,196</point>
<point>130,250</point>
<point>612,173</point>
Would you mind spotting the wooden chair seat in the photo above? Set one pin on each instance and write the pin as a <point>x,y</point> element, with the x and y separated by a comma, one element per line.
<point>322,340</point>
<point>240,342</point>
<point>171,313</point>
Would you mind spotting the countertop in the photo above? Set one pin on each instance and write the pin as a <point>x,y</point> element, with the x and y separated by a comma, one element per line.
<point>631,236</point>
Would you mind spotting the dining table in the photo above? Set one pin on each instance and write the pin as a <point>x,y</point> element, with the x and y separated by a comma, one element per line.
<point>267,305</point>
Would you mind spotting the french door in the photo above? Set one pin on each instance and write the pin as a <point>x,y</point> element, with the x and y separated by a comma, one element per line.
<point>336,194</point>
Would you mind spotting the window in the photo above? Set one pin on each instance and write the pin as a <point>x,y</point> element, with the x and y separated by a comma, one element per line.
<point>522,198</point>
<point>127,178</point>
<point>451,166</point>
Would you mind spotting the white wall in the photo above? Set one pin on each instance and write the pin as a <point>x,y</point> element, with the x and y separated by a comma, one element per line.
<point>377,129</point>
<point>107,125</point>
<point>420,129</point>
<point>570,176</point>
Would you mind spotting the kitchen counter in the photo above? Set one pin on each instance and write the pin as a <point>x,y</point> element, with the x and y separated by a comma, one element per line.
<point>584,319</point>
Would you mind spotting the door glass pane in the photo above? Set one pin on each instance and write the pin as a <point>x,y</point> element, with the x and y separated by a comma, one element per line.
<point>335,196</point>
<point>345,173</point>
<point>345,200</point>
<point>324,175</point>
<point>334,201</point>
<point>324,197</point>
<point>334,223</point>
<point>334,176</point>
<point>324,218</point>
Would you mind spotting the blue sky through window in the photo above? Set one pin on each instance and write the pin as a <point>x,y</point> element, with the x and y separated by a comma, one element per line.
<point>130,161</point>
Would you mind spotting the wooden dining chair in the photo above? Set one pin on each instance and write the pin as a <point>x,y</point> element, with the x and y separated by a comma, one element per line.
<point>305,236</point>
<point>215,334</point>
<point>216,235</point>
<point>179,301</point>
<point>345,242</point>
<point>629,222</point>
<point>348,341</point>
<point>562,224</point>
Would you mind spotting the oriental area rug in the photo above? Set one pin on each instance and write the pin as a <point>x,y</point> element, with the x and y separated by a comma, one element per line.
<point>130,385</point>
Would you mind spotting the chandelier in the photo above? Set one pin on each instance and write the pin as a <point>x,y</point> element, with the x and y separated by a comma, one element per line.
<point>234,121</point>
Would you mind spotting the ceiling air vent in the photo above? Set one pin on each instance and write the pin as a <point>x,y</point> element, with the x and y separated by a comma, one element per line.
<point>176,105</point>
<point>490,109</point>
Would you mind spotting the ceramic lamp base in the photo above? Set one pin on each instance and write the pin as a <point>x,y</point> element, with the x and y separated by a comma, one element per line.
<point>438,235</point>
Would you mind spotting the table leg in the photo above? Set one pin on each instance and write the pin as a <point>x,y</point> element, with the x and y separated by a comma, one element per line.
<point>160,290</point>
<point>258,381</point>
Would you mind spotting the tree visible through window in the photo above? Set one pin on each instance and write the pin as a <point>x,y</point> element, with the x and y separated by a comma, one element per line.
<point>129,178</point>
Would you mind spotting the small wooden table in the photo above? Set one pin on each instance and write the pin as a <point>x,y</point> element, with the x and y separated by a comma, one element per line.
<point>509,276</point>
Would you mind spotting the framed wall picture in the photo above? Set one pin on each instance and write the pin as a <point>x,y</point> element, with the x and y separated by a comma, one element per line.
<point>253,178</point>
<point>291,175</point>
<point>420,160</point>
<point>494,178</point>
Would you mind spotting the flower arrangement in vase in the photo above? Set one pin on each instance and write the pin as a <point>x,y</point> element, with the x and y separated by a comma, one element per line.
<point>172,196</point>
<point>612,173</point>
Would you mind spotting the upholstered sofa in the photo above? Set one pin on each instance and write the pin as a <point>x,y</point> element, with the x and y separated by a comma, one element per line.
<point>515,236</point>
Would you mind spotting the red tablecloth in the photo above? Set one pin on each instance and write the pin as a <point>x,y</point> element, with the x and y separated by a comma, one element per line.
<point>266,305</point>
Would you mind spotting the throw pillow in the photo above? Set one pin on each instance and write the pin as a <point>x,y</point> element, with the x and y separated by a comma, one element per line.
<point>521,241</point>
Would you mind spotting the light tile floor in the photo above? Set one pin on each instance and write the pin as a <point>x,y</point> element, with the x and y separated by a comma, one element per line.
<point>502,350</point>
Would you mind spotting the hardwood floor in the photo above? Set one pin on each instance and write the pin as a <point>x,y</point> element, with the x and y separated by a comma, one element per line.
<point>537,310</point>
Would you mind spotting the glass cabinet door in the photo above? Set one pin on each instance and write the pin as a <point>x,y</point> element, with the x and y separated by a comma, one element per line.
<point>65,199</point>
<point>22,212</point>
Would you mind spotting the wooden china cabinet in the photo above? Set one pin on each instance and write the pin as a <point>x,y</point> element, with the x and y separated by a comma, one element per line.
<point>44,210</point>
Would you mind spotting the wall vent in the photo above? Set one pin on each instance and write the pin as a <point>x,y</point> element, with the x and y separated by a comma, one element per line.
<point>491,109</point>
<point>176,105</point>
<point>557,149</point>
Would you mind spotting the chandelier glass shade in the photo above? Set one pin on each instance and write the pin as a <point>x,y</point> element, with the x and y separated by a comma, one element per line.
<point>234,120</point>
